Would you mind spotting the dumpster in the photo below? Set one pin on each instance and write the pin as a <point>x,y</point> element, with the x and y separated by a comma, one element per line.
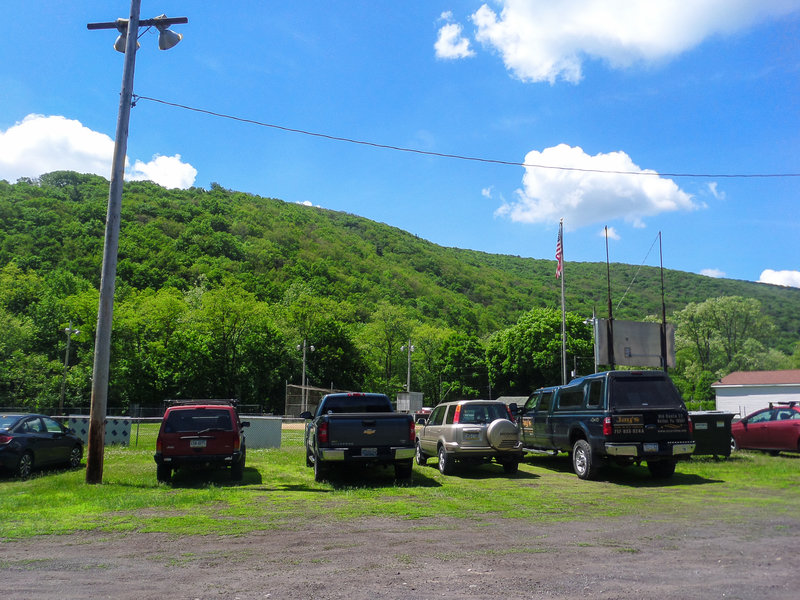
<point>712,432</point>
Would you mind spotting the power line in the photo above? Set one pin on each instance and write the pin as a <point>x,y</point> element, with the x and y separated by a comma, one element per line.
<point>459,156</point>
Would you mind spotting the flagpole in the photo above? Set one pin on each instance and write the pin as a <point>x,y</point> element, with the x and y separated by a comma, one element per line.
<point>560,274</point>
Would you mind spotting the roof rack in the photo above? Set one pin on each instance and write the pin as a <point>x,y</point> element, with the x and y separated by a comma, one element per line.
<point>180,402</point>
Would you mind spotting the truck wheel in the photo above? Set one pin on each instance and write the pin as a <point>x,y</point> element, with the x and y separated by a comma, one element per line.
<point>446,463</point>
<point>734,445</point>
<point>320,470</point>
<point>403,469</point>
<point>662,469</point>
<point>421,459</point>
<point>163,473</point>
<point>583,460</point>
<point>309,462</point>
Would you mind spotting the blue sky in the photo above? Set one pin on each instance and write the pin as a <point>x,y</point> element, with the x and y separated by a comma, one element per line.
<point>600,89</point>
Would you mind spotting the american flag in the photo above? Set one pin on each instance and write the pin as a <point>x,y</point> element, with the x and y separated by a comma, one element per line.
<point>560,251</point>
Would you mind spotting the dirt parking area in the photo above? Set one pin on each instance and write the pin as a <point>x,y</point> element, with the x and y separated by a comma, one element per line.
<point>649,556</point>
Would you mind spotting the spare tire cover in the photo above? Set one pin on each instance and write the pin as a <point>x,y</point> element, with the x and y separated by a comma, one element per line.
<point>502,434</point>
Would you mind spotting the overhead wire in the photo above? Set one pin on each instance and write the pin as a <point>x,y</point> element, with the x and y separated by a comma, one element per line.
<point>647,172</point>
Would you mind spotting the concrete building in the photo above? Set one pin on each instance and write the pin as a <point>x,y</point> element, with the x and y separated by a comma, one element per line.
<point>744,392</point>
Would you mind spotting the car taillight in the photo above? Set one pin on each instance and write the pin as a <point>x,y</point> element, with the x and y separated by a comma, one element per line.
<point>457,416</point>
<point>322,433</point>
<point>691,425</point>
<point>158,445</point>
<point>607,428</point>
<point>412,430</point>
<point>5,439</point>
<point>237,443</point>
<point>510,416</point>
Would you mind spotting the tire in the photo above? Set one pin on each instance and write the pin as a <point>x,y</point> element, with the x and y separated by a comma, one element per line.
<point>501,433</point>
<point>237,470</point>
<point>734,445</point>
<point>511,467</point>
<point>419,456</point>
<point>24,466</point>
<point>583,462</point>
<point>309,462</point>
<point>163,473</point>
<point>403,469</point>
<point>662,469</point>
<point>75,456</point>
<point>446,462</point>
<point>320,470</point>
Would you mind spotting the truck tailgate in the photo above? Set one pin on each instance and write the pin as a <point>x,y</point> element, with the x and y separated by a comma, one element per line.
<point>368,429</point>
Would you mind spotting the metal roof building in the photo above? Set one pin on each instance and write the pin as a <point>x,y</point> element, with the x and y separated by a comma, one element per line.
<point>743,392</point>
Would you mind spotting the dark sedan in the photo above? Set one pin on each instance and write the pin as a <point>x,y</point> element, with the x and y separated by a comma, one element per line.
<point>771,429</point>
<point>33,441</point>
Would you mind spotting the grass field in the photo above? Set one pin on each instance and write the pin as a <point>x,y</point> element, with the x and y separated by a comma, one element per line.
<point>278,491</point>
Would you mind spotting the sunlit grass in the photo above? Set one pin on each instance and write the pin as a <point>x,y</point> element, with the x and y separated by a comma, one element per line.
<point>279,491</point>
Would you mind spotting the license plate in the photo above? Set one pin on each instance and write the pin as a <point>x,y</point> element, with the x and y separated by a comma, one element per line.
<point>369,452</point>
<point>470,435</point>
<point>197,443</point>
<point>651,447</point>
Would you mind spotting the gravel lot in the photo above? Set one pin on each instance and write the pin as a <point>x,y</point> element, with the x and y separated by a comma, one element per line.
<point>647,556</point>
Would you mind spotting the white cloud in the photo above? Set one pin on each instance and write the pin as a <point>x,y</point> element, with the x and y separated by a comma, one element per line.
<point>40,144</point>
<point>487,192</point>
<point>586,196</point>
<point>785,278</point>
<point>611,232</point>
<point>168,171</point>
<point>542,40</point>
<point>715,273</point>
<point>451,43</point>
<point>712,188</point>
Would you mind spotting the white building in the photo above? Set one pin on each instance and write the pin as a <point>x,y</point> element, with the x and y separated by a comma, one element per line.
<point>744,392</point>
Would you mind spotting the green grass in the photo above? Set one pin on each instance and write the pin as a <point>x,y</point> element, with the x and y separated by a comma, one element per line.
<point>278,491</point>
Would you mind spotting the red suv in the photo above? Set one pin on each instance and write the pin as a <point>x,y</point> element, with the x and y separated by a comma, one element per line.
<point>200,434</point>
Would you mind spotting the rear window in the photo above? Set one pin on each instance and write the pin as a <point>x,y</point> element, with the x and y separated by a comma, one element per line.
<point>198,419</point>
<point>474,414</point>
<point>357,404</point>
<point>644,392</point>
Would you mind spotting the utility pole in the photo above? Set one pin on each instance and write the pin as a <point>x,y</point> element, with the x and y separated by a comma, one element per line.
<point>129,30</point>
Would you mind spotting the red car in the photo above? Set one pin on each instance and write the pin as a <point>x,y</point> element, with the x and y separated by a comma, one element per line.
<point>771,429</point>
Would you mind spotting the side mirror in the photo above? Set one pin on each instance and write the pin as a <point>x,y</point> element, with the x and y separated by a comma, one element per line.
<point>514,408</point>
<point>245,423</point>
<point>306,415</point>
<point>421,421</point>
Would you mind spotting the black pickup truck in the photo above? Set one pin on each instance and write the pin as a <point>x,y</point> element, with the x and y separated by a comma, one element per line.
<point>625,416</point>
<point>359,428</point>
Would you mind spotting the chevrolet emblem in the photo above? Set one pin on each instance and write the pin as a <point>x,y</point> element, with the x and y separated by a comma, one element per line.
<point>369,432</point>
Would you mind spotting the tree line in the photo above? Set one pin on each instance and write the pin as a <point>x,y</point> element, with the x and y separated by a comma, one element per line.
<point>216,289</point>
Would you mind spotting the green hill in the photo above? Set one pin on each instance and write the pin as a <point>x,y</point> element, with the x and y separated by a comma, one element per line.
<point>182,237</point>
<point>264,254</point>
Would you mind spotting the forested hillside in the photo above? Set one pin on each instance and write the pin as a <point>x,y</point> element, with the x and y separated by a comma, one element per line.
<point>189,259</point>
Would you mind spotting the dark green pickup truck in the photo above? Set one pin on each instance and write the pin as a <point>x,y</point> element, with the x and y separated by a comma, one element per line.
<point>625,416</point>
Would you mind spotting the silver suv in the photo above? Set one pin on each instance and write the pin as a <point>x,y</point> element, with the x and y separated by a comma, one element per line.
<point>470,431</point>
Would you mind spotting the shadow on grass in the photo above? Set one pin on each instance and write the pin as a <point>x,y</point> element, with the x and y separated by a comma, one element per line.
<point>483,471</point>
<point>196,478</point>
<point>633,476</point>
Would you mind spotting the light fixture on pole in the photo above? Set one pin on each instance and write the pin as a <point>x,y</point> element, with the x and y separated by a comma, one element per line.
<point>410,349</point>
<point>102,346</point>
<point>304,394</point>
<point>70,332</point>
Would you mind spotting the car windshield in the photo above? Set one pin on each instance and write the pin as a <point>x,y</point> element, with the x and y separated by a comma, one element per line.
<point>474,414</point>
<point>638,392</point>
<point>8,421</point>
<point>198,419</point>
